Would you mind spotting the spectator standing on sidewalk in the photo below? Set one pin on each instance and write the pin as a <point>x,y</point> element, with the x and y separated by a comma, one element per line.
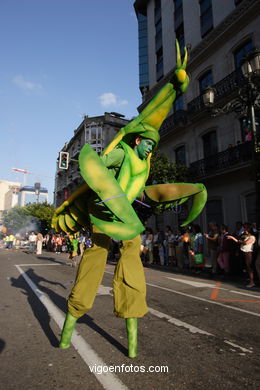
<point>171,247</point>
<point>32,242</point>
<point>199,259</point>
<point>156,259</point>
<point>39,241</point>
<point>213,239</point>
<point>246,246</point>
<point>82,240</point>
<point>165,244</point>
<point>178,247</point>
<point>149,245</point>
<point>59,242</point>
<point>224,249</point>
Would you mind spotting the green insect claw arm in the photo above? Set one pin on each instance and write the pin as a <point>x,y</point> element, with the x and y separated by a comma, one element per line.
<point>180,79</point>
<point>125,224</point>
<point>74,215</point>
<point>179,192</point>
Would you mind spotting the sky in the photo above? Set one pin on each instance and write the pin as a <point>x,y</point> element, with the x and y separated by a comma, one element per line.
<point>61,59</point>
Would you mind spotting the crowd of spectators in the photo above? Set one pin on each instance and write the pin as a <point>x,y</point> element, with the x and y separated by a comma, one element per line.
<point>223,253</point>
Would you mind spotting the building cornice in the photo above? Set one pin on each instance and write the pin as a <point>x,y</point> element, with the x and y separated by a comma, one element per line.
<point>240,17</point>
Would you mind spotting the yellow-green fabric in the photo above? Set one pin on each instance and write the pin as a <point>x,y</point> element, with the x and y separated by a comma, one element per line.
<point>129,282</point>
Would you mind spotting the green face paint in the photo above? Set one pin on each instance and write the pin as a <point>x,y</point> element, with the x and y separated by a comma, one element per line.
<point>144,148</point>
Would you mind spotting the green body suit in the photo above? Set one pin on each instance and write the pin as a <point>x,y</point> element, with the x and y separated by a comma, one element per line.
<point>112,183</point>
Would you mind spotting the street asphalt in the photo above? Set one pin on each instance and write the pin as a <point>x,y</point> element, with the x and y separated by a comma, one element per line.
<point>199,333</point>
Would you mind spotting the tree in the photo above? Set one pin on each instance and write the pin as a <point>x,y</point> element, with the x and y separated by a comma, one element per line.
<point>16,220</point>
<point>162,171</point>
<point>34,216</point>
<point>43,212</point>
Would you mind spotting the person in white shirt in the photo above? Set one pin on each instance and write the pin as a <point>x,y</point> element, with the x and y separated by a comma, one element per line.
<point>32,242</point>
<point>247,242</point>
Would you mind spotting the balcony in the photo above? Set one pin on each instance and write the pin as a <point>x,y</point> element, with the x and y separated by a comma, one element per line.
<point>178,119</point>
<point>221,162</point>
<point>225,87</point>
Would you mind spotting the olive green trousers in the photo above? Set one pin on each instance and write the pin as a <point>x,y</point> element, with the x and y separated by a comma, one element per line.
<point>129,281</point>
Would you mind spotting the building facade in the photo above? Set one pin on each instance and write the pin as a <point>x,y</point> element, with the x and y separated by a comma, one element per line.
<point>32,194</point>
<point>218,150</point>
<point>9,191</point>
<point>98,132</point>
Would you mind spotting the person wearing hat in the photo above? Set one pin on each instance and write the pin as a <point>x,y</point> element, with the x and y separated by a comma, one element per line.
<point>113,182</point>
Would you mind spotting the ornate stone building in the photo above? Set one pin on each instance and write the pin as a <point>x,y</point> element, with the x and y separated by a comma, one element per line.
<point>218,150</point>
<point>98,132</point>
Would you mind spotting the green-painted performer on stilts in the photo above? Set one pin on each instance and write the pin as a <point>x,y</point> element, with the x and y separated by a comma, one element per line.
<point>113,182</point>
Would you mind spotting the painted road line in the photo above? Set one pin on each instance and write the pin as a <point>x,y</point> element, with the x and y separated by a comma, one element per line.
<point>177,322</point>
<point>108,380</point>
<point>238,346</point>
<point>199,299</point>
<point>214,294</point>
<point>248,295</point>
<point>195,283</point>
<point>24,265</point>
<point>205,300</point>
<point>172,320</point>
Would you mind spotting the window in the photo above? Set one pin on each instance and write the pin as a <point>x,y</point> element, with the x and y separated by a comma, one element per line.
<point>206,17</point>
<point>94,137</point>
<point>180,155</point>
<point>238,2</point>
<point>214,211</point>
<point>143,51</point>
<point>179,33</point>
<point>178,104</point>
<point>159,64</point>
<point>241,52</point>
<point>205,80</point>
<point>251,207</point>
<point>246,128</point>
<point>210,146</point>
<point>178,13</point>
<point>158,35</point>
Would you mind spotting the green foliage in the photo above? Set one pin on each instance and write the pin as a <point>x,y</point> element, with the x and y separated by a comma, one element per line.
<point>162,171</point>
<point>29,217</point>
<point>16,220</point>
<point>42,211</point>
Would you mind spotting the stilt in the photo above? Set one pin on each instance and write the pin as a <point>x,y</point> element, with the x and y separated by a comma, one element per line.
<point>131,327</point>
<point>67,331</point>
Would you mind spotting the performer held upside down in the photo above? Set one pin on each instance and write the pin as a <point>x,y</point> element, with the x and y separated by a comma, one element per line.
<point>113,182</point>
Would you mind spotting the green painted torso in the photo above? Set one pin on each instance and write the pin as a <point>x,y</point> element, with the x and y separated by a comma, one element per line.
<point>133,173</point>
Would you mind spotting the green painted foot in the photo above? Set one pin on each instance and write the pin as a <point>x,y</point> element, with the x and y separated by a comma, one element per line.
<point>67,331</point>
<point>131,327</point>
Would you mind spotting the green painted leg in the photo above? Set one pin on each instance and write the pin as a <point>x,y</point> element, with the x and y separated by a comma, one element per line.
<point>67,331</point>
<point>131,327</point>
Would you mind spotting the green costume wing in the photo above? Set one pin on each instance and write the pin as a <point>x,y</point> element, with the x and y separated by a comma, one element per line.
<point>122,223</point>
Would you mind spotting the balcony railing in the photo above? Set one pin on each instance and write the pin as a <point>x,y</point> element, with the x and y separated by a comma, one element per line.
<point>223,88</point>
<point>179,118</point>
<point>229,158</point>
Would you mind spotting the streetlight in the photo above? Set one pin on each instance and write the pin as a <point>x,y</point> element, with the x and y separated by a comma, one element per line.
<point>249,98</point>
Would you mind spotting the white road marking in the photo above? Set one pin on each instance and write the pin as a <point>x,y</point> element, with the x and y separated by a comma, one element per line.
<point>248,295</point>
<point>202,284</point>
<point>200,299</point>
<point>238,346</point>
<point>205,300</point>
<point>103,290</point>
<point>24,265</point>
<point>196,284</point>
<point>108,380</point>
<point>177,322</point>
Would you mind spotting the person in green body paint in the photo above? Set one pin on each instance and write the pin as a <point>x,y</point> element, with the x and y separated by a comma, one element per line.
<point>113,182</point>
